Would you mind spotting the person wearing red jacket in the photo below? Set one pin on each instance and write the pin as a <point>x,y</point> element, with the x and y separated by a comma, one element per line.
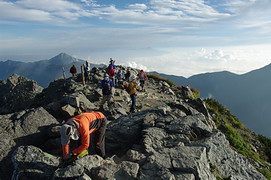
<point>81,126</point>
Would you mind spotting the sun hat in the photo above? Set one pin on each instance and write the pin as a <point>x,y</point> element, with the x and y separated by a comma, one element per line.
<point>67,132</point>
<point>132,77</point>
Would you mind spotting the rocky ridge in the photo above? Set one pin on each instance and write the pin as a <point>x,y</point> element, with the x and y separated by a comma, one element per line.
<point>172,136</point>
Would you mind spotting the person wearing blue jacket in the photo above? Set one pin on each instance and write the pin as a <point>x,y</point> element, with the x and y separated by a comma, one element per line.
<point>106,85</point>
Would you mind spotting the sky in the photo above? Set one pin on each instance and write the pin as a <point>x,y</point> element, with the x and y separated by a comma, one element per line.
<point>178,37</point>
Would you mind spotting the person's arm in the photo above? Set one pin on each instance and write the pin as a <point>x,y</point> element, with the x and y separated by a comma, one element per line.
<point>65,149</point>
<point>85,140</point>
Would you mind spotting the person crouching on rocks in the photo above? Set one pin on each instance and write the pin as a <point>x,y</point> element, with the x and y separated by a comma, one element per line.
<point>132,87</point>
<point>80,127</point>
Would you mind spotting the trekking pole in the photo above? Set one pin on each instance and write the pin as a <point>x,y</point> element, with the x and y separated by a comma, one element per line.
<point>63,70</point>
<point>82,72</point>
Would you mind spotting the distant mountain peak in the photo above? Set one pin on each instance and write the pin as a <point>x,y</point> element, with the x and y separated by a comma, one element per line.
<point>63,59</point>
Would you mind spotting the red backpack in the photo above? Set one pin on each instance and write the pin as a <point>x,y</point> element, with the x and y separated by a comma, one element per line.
<point>111,72</point>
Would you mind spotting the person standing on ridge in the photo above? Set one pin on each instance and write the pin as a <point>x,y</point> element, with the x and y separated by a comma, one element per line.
<point>81,126</point>
<point>142,78</point>
<point>87,72</point>
<point>132,87</point>
<point>112,64</point>
<point>73,71</point>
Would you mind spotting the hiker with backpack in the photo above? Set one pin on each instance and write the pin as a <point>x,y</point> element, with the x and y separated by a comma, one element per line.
<point>80,127</point>
<point>132,90</point>
<point>142,78</point>
<point>73,71</point>
<point>107,86</point>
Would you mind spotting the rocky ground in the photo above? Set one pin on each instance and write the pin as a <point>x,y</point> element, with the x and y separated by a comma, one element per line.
<point>171,136</point>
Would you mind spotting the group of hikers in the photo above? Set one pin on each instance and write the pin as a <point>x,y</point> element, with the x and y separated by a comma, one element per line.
<point>92,125</point>
<point>115,77</point>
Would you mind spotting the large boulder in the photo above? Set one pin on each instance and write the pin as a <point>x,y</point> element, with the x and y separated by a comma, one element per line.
<point>17,93</point>
<point>29,127</point>
<point>32,163</point>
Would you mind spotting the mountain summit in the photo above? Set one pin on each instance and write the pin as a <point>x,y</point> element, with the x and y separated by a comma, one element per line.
<point>63,59</point>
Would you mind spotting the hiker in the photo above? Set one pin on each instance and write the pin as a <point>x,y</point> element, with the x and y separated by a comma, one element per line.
<point>142,78</point>
<point>107,86</point>
<point>111,73</point>
<point>119,77</point>
<point>127,75</point>
<point>87,72</point>
<point>73,71</point>
<point>112,64</point>
<point>132,89</point>
<point>80,127</point>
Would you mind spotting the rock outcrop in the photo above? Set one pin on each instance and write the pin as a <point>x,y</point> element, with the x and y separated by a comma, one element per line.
<point>17,93</point>
<point>28,127</point>
<point>171,136</point>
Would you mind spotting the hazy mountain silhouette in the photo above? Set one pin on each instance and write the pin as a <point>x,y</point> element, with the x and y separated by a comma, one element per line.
<point>248,96</point>
<point>43,71</point>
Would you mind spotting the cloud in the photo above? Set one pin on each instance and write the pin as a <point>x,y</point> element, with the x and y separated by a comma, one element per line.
<point>57,12</point>
<point>166,11</point>
<point>91,3</point>
<point>137,66</point>
<point>48,5</point>
<point>138,7</point>
<point>12,11</point>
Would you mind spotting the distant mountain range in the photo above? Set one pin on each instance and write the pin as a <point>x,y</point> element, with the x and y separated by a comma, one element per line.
<point>248,96</point>
<point>44,71</point>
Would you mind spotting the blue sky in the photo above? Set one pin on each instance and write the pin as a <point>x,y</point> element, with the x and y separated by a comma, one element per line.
<point>181,37</point>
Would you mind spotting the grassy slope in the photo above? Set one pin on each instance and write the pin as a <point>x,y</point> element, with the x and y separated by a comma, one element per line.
<point>255,147</point>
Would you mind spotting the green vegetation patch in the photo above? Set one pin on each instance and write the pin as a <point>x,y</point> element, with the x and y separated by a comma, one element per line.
<point>154,76</point>
<point>240,138</point>
<point>266,172</point>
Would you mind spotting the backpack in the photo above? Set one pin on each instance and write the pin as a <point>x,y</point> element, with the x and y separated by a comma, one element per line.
<point>111,72</point>
<point>107,89</point>
<point>126,87</point>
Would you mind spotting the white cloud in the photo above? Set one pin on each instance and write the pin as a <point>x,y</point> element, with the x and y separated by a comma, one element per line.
<point>136,66</point>
<point>57,12</point>
<point>12,11</point>
<point>92,3</point>
<point>138,7</point>
<point>48,5</point>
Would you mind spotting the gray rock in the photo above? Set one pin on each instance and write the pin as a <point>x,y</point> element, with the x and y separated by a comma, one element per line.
<point>23,128</point>
<point>79,100</point>
<point>109,170</point>
<point>17,93</point>
<point>227,161</point>
<point>33,163</point>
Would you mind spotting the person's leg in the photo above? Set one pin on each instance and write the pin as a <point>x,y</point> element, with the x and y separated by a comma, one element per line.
<point>133,98</point>
<point>103,101</point>
<point>100,138</point>
<point>142,84</point>
<point>110,101</point>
